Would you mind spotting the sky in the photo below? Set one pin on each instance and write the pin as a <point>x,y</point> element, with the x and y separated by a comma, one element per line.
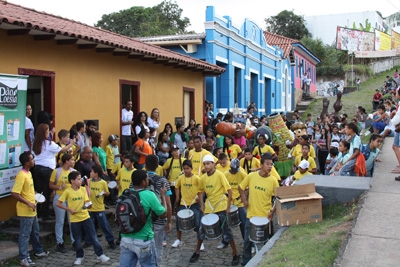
<point>90,11</point>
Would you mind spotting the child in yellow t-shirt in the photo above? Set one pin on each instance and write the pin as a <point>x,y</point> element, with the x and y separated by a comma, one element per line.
<point>263,147</point>
<point>23,191</point>
<point>305,156</point>
<point>250,163</point>
<point>78,205</point>
<point>124,176</point>
<point>302,171</point>
<point>223,163</point>
<point>112,153</point>
<point>98,190</point>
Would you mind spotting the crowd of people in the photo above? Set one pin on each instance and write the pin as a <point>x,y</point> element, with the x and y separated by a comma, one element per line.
<point>192,167</point>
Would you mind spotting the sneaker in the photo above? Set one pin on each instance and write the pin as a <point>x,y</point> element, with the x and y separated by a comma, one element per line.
<point>42,254</point>
<point>253,250</point>
<point>221,246</point>
<point>112,245</point>
<point>25,262</point>
<point>176,244</point>
<point>202,247</point>
<point>195,257</point>
<point>103,258</point>
<point>164,243</point>
<point>86,245</point>
<point>235,260</point>
<point>60,248</point>
<point>78,261</point>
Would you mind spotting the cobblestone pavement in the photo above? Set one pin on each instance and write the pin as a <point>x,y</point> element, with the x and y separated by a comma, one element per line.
<point>176,257</point>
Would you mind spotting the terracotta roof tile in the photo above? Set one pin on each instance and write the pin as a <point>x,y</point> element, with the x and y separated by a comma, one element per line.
<point>282,42</point>
<point>32,19</point>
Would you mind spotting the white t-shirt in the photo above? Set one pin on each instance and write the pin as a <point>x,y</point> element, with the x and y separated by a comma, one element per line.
<point>138,129</point>
<point>126,116</point>
<point>29,126</point>
<point>152,123</point>
<point>47,157</point>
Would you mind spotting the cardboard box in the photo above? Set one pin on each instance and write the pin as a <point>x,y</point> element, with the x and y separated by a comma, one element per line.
<point>298,204</point>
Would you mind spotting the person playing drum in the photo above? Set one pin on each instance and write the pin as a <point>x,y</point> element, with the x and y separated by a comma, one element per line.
<point>235,176</point>
<point>188,186</point>
<point>261,185</point>
<point>215,185</point>
<point>197,154</point>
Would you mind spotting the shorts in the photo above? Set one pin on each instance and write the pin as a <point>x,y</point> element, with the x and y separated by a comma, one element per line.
<point>396,139</point>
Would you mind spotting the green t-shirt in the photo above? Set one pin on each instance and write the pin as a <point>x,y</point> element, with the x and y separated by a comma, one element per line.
<point>102,156</point>
<point>149,201</point>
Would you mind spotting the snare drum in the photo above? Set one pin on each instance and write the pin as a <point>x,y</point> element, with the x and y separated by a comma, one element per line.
<point>186,220</point>
<point>39,198</point>
<point>233,216</point>
<point>112,184</point>
<point>211,226</point>
<point>259,229</point>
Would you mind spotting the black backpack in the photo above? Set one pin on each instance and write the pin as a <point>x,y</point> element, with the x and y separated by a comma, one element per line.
<point>130,213</point>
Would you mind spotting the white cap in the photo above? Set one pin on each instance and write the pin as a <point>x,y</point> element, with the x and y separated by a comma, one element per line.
<point>208,158</point>
<point>304,164</point>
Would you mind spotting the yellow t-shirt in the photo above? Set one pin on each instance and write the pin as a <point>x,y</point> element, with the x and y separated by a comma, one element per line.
<point>189,188</point>
<point>117,167</point>
<point>215,187</point>
<point>275,173</point>
<point>197,160</point>
<point>95,189</point>
<point>261,189</point>
<point>264,149</point>
<point>234,151</point>
<point>297,151</point>
<point>124,178</point>
<point>62,178</point>
<point>234,180</point>
<point>297,175</point>
<point>223,169</point>
<point>76,200</point>
<point>77,155</point>
<point>253,164</point>
<point>23,185</point>
<point>310,160</point>
<point>109,157</point>
<point>176,169</point>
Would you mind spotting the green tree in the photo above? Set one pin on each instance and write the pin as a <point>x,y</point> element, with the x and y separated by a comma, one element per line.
<point>162,19</point>
<point>288,24</point>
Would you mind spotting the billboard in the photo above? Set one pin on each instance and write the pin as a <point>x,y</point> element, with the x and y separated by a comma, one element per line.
<point>382,41</point>
<point>395,40</point>
<point>13,91</point>
<point>354,40</point>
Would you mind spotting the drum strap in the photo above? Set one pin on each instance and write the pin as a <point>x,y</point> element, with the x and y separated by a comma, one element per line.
<point>216,205</point>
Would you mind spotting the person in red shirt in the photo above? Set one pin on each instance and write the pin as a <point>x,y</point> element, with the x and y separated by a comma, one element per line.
<point>376,100</point>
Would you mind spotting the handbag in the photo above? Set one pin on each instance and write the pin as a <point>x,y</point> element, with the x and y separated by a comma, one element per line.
<point>397,129</point>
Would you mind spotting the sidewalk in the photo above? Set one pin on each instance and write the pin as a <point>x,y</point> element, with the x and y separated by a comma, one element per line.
<point>375,238</point>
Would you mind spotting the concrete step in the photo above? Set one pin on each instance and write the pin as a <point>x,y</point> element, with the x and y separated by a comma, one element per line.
<point>303,105</point>
<point>337,189</point>
<point>13,233</point>
<point>8,250</point>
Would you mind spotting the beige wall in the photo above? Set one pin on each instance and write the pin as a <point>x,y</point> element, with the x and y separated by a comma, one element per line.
<point>87,83</point>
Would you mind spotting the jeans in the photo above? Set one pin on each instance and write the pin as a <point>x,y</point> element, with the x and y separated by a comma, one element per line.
<point>103,223</point>
<point>227,235</point>
<point>138,166</point>
<point>247,244</point>
<point>77,230</point>
<point>126,142</point>
<point>41,177</point>
<point>197,216</point>
<point>348,168</point>
<point>60,217</point>
<point>243,219</point>
<point>134,250</point>
<point>29,228</point>
<point>159,232</point>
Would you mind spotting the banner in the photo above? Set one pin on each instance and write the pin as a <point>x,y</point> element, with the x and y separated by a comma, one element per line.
<point>395,39</point>
<point>382,41</point>
<point>354,40</point>
<point>13,91</point>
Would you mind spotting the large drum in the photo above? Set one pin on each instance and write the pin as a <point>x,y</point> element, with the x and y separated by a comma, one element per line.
<point>233,216</point>
<point>265,130</point>
<point>259,229</point>
<point>211,225</point>
<point>225,128</point>
<point>186,220</point>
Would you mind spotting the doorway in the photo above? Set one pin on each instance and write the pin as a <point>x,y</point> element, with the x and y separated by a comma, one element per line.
<point>188,105</point>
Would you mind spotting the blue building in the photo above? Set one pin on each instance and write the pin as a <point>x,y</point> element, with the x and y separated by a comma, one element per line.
<point>255,71</point>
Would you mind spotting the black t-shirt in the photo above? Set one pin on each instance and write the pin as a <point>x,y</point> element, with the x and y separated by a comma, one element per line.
<point>84,167</point>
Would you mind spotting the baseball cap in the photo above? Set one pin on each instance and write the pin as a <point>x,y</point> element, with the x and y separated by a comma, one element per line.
<point>208,158</point>
<point>174,147</point>
<point>113,137</point>
<point>235,165</point>
<point>304,164</point>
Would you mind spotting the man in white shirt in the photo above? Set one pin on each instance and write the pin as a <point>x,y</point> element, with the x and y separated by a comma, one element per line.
<point>126,122</point>
<point>29,129</point>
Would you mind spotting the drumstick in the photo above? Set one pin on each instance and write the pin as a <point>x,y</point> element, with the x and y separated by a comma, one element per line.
<point>223,223</point>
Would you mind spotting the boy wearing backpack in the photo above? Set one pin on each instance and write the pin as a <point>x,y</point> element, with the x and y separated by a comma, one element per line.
<point>139,246</point>
<point>78,203</point>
